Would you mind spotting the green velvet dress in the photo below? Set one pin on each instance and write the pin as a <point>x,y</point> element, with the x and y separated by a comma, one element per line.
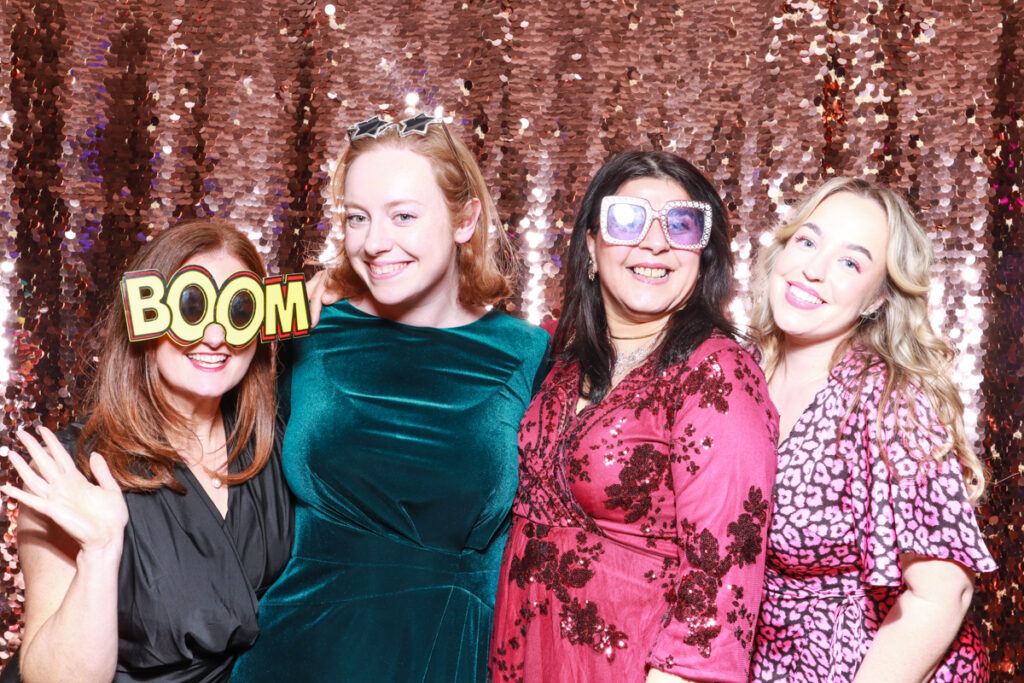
<point>401,452</point>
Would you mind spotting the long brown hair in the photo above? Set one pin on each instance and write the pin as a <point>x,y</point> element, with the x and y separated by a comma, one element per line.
<point>487,265</point>
<point>132,422</point>
<point>900,335</point>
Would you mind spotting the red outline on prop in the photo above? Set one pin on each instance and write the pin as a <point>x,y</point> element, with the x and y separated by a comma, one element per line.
<point>132,275</point>
<point>263,293</point>
<point>167,290</point>
<point>280,334</point>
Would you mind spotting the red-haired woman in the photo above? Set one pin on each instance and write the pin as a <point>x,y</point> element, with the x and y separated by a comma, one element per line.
<point>401,443</point>
<point>144,552</point>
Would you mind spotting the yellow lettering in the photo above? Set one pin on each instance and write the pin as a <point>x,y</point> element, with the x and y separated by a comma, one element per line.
<point>240,282</point>
<point>142,292</point>
<point>287,310</point>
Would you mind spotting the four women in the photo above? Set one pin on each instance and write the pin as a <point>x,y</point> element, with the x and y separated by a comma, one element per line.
<point>646,461</point>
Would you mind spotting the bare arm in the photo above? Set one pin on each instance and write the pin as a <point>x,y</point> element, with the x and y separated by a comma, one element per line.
<point>70,536</point>
<point>922,623</point>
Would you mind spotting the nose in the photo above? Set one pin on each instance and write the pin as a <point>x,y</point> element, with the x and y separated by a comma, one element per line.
<point>654,241</point>
<point>213,335</point>
<point>814,267</point>
<point>378,239</point>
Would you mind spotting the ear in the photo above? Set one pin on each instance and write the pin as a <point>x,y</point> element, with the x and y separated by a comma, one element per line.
<point>875,305</point>
<point>592,247</point>
<point>471,214</point>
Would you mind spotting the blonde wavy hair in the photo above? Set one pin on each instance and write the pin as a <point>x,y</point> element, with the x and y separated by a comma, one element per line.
<point>900,335</point>
<point>487,263</point>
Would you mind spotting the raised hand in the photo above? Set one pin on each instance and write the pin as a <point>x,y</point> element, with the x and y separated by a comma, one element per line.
<point>319,296</point>
<point>93,515</point>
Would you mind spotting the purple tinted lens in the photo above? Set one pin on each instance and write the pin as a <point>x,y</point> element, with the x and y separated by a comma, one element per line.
<point>685,226</point>
<point>626,221</point>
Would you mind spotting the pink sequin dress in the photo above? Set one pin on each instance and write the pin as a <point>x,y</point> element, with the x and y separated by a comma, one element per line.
<point>842,517</point>
<point>639,526</point>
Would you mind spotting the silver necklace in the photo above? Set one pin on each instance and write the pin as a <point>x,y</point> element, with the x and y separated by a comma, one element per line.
<point>627,360</point>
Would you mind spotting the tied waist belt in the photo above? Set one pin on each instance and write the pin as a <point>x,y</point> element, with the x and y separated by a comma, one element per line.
<point>845,609</point>
<point>792,593</point>
<point>376,563</point>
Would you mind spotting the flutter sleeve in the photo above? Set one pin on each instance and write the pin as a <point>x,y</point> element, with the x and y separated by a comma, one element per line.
<point>723,468</point>
<point>913,503</point>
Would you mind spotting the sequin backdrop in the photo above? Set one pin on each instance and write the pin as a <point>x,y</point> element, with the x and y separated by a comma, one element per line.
<point>117,118</point>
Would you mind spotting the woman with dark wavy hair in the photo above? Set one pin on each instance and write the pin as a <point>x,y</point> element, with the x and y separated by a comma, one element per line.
<point>647,458</point>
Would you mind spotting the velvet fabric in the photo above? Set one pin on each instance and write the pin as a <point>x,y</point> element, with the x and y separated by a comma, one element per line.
<point>401,451</point>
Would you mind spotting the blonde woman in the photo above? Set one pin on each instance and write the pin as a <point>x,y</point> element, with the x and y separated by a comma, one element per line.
<point>874,543</point>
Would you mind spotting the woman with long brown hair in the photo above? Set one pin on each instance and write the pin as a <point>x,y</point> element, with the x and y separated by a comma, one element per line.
<point>873,544</point>
<point>144,552</point>
<point>401,440</point>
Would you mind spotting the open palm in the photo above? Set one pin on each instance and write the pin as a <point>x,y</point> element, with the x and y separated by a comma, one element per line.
<point>94,515</point>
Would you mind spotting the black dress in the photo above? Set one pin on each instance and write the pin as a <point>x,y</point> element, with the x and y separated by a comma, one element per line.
<point>190,579</point>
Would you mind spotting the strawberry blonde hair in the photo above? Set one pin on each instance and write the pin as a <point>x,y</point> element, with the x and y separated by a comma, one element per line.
<point>486,263</point>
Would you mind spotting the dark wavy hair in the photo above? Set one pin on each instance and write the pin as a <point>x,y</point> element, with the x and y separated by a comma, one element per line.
<point>582,333</point>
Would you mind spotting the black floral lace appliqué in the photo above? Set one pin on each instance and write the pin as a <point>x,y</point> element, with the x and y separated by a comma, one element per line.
<point>580,623</point>
<point>640,478</point>
<point>708,382</point>
<point>693,600</point>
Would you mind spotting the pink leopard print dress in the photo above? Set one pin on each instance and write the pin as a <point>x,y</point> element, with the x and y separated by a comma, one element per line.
<point>842,516</point>
<point>638,529</point>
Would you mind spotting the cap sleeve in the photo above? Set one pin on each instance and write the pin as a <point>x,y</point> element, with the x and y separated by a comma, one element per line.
<point>915,504</point>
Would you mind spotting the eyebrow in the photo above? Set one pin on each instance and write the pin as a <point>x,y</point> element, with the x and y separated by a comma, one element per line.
<point>849,245</point>
<point>388,205</point>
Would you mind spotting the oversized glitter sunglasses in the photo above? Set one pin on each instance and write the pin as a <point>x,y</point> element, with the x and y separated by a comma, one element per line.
<point>626,220</point>
<point>375,126</point>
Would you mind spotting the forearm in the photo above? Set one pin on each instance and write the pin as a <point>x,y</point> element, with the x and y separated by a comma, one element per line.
<point>913,638</point>
<point>78,642</point>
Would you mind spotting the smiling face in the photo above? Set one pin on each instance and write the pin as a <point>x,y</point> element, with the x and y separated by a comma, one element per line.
<point>400,238</point>
<point>650,280</point>
<point>202,373</point>
<point>830,271</point>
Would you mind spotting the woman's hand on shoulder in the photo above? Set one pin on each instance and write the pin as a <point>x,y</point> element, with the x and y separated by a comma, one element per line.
<point>94,515</point>
<point>319,294</point>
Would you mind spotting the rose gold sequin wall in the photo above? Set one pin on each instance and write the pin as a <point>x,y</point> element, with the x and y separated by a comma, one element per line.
<point>118,118</point>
